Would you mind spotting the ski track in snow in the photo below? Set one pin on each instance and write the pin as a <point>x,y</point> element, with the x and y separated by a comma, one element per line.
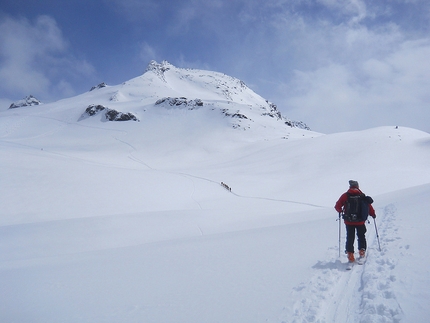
<point>190,177</point>
<point>363,295</point>
<point>187,176</point>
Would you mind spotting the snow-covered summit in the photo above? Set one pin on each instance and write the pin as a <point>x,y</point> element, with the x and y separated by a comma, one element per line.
<point>158,69</point>
<point>25,102</point>
<point>214,91</point>
<point>167,102</point>
<point>203,98</point>
<point>208,85</point>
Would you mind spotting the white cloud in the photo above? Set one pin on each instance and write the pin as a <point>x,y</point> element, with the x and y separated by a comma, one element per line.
<point>147,53</point>
<point>401,81</point>
<point>393,90</point>
<point>20,46</point>
<point>34,58</point>
<point>334,74</point>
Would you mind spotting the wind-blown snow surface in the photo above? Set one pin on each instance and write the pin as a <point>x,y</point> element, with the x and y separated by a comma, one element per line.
<point>128,222</point>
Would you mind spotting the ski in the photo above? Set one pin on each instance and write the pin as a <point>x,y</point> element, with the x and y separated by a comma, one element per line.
<point>358,261</point>
<point>349,265</point>
<point>361,260</point>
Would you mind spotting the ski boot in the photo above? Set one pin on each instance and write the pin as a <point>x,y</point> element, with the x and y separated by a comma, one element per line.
<point>351,257</point>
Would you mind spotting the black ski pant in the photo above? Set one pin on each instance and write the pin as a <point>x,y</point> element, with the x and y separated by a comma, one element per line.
<point>350,237</point>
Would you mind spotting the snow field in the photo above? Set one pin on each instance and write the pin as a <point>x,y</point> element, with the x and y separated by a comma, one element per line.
<point>128,222</point>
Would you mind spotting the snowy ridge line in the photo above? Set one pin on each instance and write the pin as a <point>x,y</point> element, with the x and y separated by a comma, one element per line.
<point>362,295</point>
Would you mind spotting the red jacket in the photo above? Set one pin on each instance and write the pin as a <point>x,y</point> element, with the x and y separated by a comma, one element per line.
<point>340,205</point>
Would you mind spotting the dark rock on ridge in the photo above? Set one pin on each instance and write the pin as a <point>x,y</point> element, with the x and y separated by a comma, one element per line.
<point>109,114</point>
<point>181,102</point>
<point>99,86</point>
<point>113,115</point>
<point>26,102</point>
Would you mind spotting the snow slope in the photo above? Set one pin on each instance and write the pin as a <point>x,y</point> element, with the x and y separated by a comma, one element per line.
<point>127,221</point>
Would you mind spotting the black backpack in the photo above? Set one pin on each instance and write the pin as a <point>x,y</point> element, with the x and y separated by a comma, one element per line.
<point>357,207</point>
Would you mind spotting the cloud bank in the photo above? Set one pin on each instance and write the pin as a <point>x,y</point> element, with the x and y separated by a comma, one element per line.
<point>34,59</point>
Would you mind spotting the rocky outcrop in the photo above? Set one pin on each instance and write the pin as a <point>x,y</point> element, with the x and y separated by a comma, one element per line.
<point>158,69</point>
<point>26,102</point>
<point>296,124</point>
<point>101,85</point>
<point>180,103</point>
<point>273,111</point>
<point>113,115</point>
<point>109,114</point>
<point>93,109</point>
<point>236,114</point>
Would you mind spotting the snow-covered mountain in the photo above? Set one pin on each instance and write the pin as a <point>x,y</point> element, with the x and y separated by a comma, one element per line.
<point>202,205</point>
<point>26,102</point>
<point>164,86</point>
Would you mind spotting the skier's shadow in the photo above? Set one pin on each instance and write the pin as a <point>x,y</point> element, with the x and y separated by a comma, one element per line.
<point>337,264</point>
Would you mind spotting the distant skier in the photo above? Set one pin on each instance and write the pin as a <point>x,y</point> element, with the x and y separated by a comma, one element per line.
<point>355,207</point>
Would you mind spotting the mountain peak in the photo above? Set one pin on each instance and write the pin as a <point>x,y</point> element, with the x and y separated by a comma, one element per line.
<point>159,68</point>
<point>164,86</point>
<point>165,89</point>
<point>26,102</point>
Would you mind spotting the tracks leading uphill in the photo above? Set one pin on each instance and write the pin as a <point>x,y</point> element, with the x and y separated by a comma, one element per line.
<point>364,294</point>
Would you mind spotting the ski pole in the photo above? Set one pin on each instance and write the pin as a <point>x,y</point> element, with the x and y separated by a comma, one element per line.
<point>377,234</point>
<point>339,233</point>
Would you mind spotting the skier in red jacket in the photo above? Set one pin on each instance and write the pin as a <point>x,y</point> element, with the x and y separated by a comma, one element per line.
<point>353,227</point>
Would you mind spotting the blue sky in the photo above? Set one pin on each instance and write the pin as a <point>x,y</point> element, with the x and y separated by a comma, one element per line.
<point>337,65</point>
